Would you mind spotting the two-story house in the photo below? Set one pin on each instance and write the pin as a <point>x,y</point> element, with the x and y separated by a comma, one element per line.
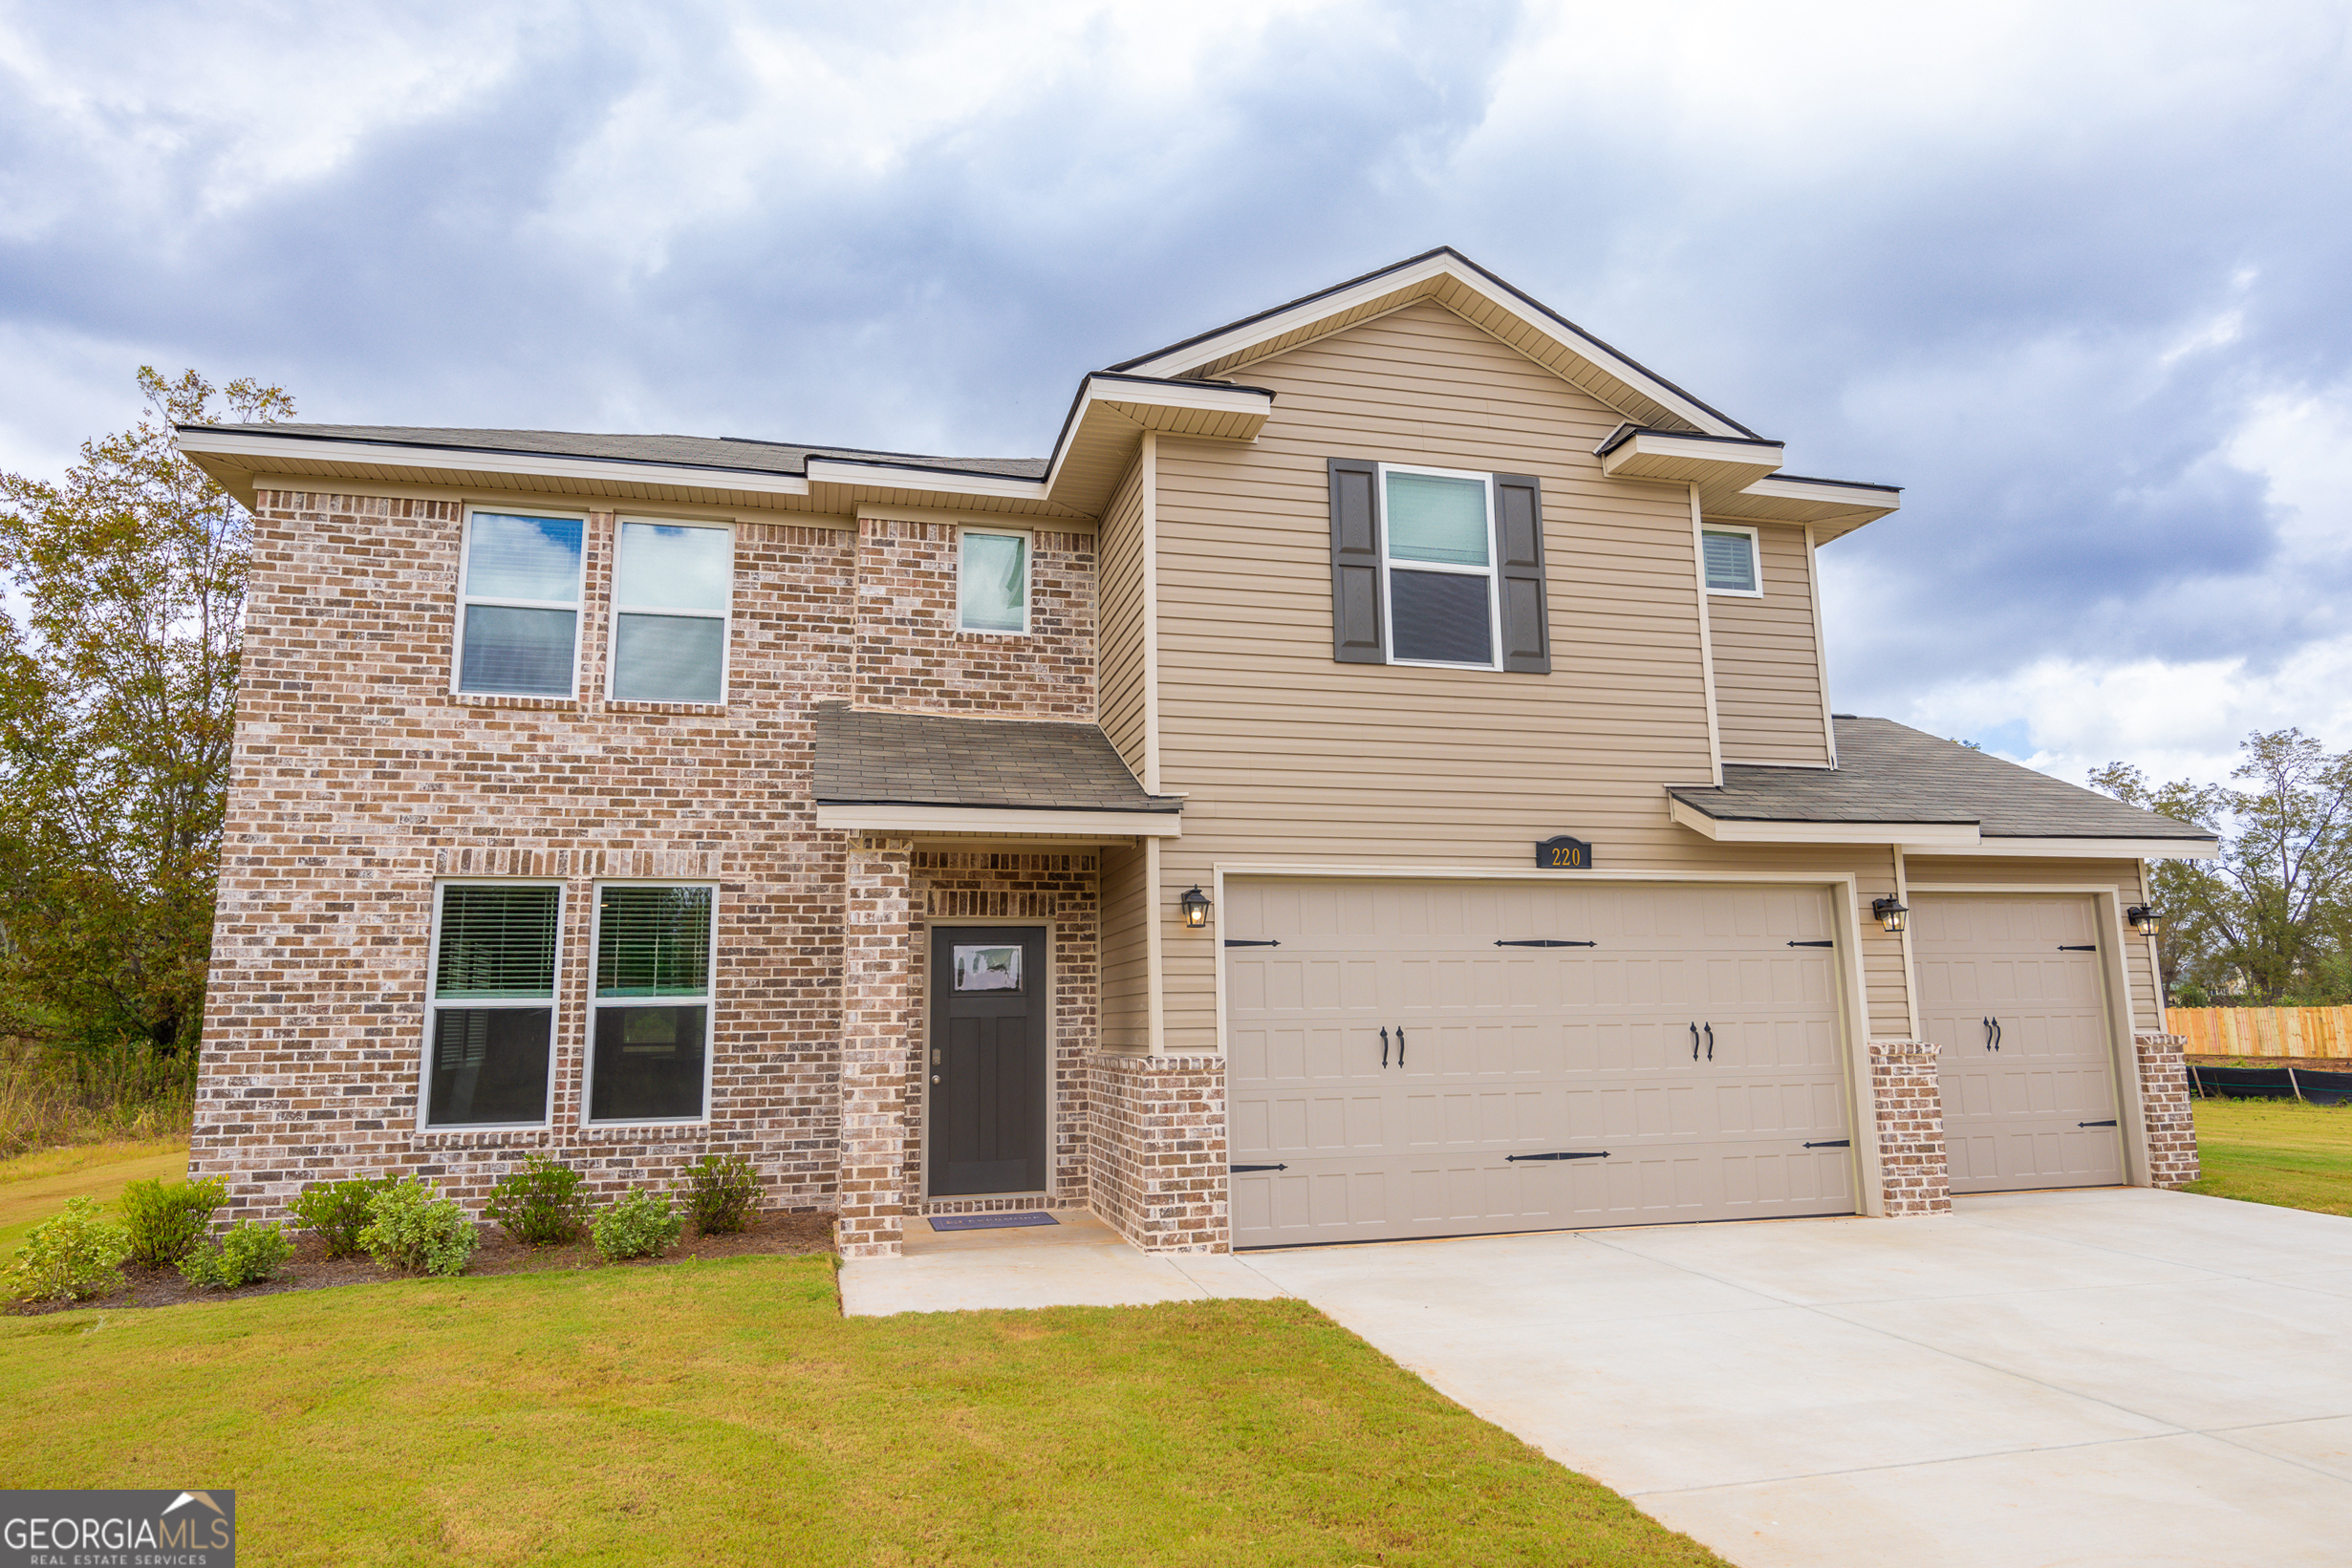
<point>1375,778</point>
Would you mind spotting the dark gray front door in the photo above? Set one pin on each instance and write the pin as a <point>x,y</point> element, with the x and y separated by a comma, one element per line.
<point>990,1018</point>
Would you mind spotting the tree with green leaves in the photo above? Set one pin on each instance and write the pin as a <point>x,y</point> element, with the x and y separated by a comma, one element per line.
<point>118,691</point>
<point>2268,919</point>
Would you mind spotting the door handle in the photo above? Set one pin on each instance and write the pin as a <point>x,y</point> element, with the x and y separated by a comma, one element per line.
<point>1400,1044</point>
<point>1988,1032</point>
<point>1711,1041</point>
<point>1694,1043</point>
<point>1384,1046</point>
<point>935,1078</point>
<point>1997,1034</point>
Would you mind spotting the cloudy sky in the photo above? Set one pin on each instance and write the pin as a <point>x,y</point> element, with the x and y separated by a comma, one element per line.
<point>2079,276</point>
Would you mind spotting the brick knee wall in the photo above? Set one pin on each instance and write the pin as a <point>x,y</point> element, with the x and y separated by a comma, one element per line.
<point>1915,1176</point>
<point>877,1022</point>
<point>2164,1107</point>
<point>1156,1142</point>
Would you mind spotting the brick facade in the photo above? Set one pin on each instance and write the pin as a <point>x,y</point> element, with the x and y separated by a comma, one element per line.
<point>910,655</point>
<point>2164,1104</point>
<point>1159,1151</point>
<point>1914,1177</point>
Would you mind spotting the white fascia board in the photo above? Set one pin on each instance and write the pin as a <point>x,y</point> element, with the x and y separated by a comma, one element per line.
<point>1926,837</point>
<point>2087,849</point>
<point>1127,387</point>
<point>1858,496</point>
<point>966,819</point>
<point>280,450</point>
<point>926,481</point>
<point>1651,443</point>
<point>1405,277</point>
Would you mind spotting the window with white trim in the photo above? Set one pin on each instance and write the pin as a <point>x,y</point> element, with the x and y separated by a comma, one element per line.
<point>992,581</point>
<point>649,1027</point>
<point>1439,561</point>
<point>671,587</point>
<point>519,604</point>
<point>491,1008</point>
<point>1730,561</point>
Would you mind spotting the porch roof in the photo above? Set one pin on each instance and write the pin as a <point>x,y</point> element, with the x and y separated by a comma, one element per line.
<point>870,757</point>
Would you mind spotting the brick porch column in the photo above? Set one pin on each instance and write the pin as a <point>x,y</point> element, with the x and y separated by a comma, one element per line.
<point>2163,1109</point>
<point>876,1013</point>
<point>1914,1173</point>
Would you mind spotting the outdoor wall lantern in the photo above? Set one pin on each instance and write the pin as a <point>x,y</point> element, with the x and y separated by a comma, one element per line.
<point>2145,921</point>
<point>1195,909</point>
<point>1890,913</point>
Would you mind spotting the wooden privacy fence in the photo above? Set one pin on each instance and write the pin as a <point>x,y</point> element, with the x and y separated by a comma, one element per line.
<point>2265,1031</point>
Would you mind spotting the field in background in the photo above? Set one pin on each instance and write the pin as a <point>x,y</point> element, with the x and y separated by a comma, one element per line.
<point>2277,1152</point>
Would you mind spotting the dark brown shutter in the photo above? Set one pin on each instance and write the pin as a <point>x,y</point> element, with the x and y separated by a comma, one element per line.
<point>1355,562</point>
<point>1518,517</point>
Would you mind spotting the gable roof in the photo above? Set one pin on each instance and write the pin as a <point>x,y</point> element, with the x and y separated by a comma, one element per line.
<point>1896,784</point>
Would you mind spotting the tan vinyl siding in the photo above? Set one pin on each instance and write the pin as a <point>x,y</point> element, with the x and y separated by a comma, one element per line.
<point>1767,666</point>
<point>2122,875</point>
<point>1119,677</point>
<point>1289,756</point>
<point>1126,974</point>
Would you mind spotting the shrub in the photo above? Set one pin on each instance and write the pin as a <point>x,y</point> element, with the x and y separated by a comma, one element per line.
<point>539,1202</point>
<point>76,1255</point>
<point>165,1222</point>
<point>411,1227</point>
<point>636,1225</point>
<point>247,1253</point>
<point>721,1195</point>
<point>336,1211</point>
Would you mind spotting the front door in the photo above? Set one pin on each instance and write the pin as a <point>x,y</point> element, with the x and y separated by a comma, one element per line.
<point>990,1018</point>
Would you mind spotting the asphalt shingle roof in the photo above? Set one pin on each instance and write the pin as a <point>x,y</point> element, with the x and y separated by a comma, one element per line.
<point>691,451</point>
<point>1888,772</point>
<point>868,758</point>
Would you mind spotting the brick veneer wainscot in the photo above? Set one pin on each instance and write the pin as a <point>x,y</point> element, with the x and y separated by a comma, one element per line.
<point>2171,1122</point>
<point>1914,1173</point>
<point>1159,1151</point>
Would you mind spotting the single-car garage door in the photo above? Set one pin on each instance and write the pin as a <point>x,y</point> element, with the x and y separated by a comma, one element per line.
<point>1426,1058</point>
<point>2009,987</point>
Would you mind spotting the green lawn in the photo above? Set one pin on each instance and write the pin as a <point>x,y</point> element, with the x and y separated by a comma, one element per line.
<point>32,1187</point>
<point>725,1412</point>
<point>2279,1151</point>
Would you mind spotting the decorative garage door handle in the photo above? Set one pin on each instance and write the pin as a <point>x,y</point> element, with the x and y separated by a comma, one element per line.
<point>1400,1044</point>
<point>1579,1155</point>
<point>1384,1046</point>
<point>1992,1034</point>
<point>1546,941</point>
<point>1694,1043</point>
<point>1238,1169</point>
<point>1711,1042</point>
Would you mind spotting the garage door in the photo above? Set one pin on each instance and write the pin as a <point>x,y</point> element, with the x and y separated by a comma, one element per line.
<point>2009,987</point>
<point>1425,1059</point>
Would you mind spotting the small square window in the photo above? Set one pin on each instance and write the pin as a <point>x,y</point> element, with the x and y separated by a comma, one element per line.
<point>992,582</point>
<point>671,587</point>
<point>519,614</point>
<point>650,1055</point>
<point>1730,561</point>
<point>492,1005</point>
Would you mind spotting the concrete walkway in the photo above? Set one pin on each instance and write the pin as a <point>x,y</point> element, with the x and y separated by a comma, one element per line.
<point>1078,1261</point>
<point>2114,1377</point>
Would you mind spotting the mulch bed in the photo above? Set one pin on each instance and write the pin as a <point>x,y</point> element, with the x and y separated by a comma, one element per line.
<point>779,1235</point>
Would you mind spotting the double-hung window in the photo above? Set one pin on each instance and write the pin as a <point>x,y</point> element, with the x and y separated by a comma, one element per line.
<point>992,581</point>
<point>650,1045</point>
<point>670,593</point>
<point>519,604</point>
<point>1437,566</point>
<point>1439,562</point>
<point>492,1006</point>
<point>1730,561</point>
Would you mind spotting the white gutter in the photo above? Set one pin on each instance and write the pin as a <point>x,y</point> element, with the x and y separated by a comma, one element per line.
<point>476,460</point>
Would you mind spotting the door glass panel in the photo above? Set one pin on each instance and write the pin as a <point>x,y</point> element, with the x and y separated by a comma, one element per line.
<point>995,969</point>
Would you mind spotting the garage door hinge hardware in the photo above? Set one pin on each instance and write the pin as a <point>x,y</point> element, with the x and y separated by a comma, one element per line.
<point>1832,1143</point>
<point>1589,1154</point>
<point>2086,947</point>
<point>1546,941</point>
<point>1813,944</point>
<point>1238,1169</point>
<point>1251,942</point>
<point>2110,1122</point>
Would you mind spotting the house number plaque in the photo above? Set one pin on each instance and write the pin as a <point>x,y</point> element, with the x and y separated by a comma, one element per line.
<point>1564,854</point>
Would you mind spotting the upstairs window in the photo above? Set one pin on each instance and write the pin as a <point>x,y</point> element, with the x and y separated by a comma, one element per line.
<point>1432,566</point>
<point>1730,561</point>
<point>1440,540</point>
<point>992,581</point>
<point>519,614</point>
<point>671,587</point>
<point>492,1008</point>
<point>650,1061</point>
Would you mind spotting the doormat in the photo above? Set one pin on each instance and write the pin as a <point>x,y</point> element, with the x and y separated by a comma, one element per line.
<point>991,1222</point>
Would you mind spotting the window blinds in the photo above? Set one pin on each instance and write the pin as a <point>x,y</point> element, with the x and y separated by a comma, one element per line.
<point>1731,561</point>
<point>652,942</point>
<point>497,943</point>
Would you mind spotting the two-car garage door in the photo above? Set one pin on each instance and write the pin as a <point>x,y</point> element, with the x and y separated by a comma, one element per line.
<point>1426,1058</point>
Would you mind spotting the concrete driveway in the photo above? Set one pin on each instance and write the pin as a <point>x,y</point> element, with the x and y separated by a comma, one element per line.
<point>2118,1375</point>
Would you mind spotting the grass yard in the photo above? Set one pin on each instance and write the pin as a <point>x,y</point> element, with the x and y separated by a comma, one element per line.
<point>2277,1152</point>
<point>32,1187</point>
<point>725,1412</point>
